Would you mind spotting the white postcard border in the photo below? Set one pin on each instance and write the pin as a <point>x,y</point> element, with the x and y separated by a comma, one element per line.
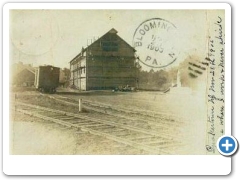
<point>114,165</point>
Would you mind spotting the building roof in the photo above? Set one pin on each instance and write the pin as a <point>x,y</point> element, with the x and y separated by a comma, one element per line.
<point>112,31</point>
<point>19,67</point>
<point>26,69</point>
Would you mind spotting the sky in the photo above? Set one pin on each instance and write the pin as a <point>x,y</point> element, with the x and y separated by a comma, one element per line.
<point>55,37</point>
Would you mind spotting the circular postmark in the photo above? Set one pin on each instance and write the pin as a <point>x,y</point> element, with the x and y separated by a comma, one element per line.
<point>155,41</point>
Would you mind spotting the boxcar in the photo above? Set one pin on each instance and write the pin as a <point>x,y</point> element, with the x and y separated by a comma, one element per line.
<point>47,78</point>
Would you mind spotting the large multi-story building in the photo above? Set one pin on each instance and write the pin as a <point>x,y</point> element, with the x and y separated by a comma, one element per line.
<point>107,63</point>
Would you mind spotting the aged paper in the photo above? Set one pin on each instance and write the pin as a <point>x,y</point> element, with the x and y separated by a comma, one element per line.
<point>130,81</point>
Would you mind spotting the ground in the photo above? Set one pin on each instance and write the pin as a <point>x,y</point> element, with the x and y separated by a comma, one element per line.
<point>31,135</point>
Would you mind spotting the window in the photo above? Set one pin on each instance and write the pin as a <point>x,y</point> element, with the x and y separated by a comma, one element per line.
<point>109,45</point>
<point>82,70</point>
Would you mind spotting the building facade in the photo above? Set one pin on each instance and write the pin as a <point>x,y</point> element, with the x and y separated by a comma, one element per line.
<point>22,74</point>
<point>107,63</point>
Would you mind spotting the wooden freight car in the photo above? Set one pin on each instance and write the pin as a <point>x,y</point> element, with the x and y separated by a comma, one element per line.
<point>47,78</point>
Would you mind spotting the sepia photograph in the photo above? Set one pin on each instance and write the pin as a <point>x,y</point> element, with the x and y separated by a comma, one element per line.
<point>116,81</point>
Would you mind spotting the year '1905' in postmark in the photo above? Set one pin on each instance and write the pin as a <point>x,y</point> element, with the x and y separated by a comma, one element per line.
<point>155,41</point>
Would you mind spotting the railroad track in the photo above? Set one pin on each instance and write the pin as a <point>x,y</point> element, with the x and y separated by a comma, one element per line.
<point>166,118</point>
<point>130,131</point>
<point>122,108</point>
<point>168,125</point>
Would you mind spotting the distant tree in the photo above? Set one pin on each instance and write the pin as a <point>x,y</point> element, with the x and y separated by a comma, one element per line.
<point>154,80</point>
<point>67,73</point>
<point>162,77</point>
<point>65,76</point>
<point>151,71</point>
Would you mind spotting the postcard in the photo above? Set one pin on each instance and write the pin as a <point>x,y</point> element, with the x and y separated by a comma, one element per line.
<point>144,83</point>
